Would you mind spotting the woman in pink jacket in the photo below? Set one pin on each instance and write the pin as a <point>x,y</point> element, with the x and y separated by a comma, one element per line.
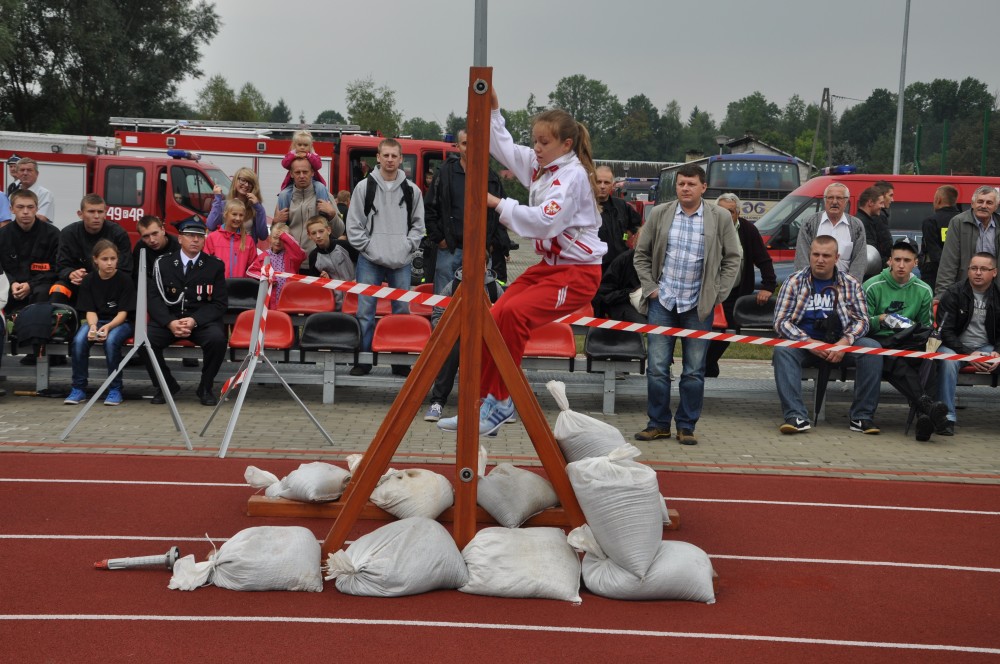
<point>231,242</point>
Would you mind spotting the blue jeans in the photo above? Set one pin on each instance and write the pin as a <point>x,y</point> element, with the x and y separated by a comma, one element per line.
<point>948,379</point>
<point>112,352</point>
<point>660,352</point>
<point>788,363</point>
<point>373,273</point>
<point>447,264</point>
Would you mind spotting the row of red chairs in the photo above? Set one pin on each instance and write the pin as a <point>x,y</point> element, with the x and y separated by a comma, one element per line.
<point>299,298</point>
<point>397,333</point>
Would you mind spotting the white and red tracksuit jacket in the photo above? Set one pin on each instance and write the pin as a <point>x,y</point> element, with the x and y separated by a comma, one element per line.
<point>561,215</point>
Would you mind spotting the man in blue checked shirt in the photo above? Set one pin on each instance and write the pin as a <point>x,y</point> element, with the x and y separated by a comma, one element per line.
<point>687,259</point>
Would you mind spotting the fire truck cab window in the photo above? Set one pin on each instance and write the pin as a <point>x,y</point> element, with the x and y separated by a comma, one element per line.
<point>124,185</point>
<point>191,189</point>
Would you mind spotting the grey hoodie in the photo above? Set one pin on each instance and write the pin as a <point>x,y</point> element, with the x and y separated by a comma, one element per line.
<point>382,238</point>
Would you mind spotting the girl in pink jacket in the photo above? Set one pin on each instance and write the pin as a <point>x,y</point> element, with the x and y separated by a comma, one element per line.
<point>231,243</point>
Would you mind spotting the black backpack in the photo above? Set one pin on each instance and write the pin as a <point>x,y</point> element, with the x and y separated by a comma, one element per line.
<point>371,187</point>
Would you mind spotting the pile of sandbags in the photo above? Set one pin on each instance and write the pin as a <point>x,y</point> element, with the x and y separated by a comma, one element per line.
<point>315,482</point>
<point>406,557</point>
<point>679,571</point>
<point>625,556</point>
<point>261,558</point>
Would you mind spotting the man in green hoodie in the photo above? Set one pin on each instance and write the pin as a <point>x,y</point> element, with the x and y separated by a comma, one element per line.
<point>900,316</point>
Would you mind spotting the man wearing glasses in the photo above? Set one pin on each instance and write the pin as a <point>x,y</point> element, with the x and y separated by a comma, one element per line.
<point>973,231</point>
<point>969,321</point>
<point>834,221</point>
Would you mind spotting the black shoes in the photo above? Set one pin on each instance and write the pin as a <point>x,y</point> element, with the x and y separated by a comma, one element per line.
<point>206,395</point>
<point>159,398</point>
<point>925,427</point>
<point>400,370</point>
<point>361,369</point>
<point>866,427</point>
<point>794,425</point>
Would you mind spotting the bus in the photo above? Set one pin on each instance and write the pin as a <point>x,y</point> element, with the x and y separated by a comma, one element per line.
<point>760,180</point>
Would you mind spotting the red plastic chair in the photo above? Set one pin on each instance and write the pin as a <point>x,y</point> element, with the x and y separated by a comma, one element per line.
<point>552,340</point>
<point>419,308</point>
<point>278,335</point>
<point>719,321</point>
<point>401,334</point>
<point>299,298</point>
<point>383,307</point>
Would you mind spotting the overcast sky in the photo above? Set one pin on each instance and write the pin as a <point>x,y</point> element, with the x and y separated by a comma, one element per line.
<point>701,54</point>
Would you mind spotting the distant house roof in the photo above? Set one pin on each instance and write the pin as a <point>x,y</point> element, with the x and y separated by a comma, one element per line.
<point>634,169</point>
<point>751,144</point>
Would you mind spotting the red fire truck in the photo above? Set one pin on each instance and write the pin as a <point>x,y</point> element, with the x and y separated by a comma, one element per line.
<point>346,152</point>
<point>172,186</point>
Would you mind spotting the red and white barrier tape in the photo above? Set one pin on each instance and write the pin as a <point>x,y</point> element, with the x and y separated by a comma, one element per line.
<point>428,299</point>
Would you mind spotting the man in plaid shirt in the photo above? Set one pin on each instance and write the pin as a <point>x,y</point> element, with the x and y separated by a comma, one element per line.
<point>824,303</point>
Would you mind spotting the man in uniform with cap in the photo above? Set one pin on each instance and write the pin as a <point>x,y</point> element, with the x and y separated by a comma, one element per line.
<point>15,182</point>
<point>187,299</point>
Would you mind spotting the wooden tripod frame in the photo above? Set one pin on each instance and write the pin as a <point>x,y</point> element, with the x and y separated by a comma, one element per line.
<point>468,318</point>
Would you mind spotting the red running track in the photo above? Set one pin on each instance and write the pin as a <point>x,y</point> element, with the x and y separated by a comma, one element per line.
<point>817,569</point>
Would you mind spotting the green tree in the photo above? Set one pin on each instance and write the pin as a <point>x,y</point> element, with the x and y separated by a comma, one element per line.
<point>423,129</point>
<point>330,117</point>
<point>454,124</point>
<point>280,112</point>
<point>85,61</point>
<point>670,134</point>
<point>251,105</point>
<point>636,136</point>
<point>373,108</point>
<point>591,103</point>
<point>217,101</point>
<point>751,115</point>
<point>700,132</point>
<point>864,123</point>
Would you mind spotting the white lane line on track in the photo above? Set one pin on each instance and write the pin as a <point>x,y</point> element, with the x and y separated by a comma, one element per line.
<point>715,556</point>
<point>855,506</point>
<point>867,563</point>
<point>687,499</point>
<point>43,480</point>
<point>512,628</point>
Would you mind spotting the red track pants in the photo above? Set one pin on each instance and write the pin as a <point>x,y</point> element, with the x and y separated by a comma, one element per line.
<point>540,295</point>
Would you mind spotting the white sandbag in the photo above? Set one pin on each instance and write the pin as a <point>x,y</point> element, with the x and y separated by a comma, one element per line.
<point>315,482</point>
<point>260,558</point>
<point>409,493</point>
<point>522,562</point>
<point>680,571</point>
<point>404,557</point>
<point>513,495</point>
<point>621,500</point>
<point>581,436</point>
<point>414,492</point>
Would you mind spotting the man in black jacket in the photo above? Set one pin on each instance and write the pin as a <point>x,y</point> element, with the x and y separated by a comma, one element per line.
<point>29,249</point>
<point>76,247</point>
<point>619,220</point>
<point>754,255</point>
<point>877,233</point>
<point>934,229</point>
<point>444,210</point>
<point>187,299</point>
<point>968,318</point>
